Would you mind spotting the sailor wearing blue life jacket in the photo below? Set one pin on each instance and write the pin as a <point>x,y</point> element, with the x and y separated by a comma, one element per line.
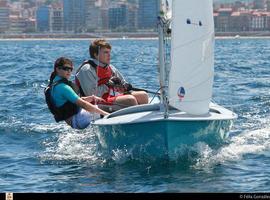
<point>62,98</point>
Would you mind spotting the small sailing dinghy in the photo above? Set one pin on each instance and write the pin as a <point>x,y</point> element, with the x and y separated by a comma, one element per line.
<point>185,114</point>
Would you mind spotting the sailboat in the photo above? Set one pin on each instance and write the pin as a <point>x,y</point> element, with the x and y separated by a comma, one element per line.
<point>185,114</point>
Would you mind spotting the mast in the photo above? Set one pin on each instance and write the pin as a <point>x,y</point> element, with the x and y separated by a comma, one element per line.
<point>163,25</point>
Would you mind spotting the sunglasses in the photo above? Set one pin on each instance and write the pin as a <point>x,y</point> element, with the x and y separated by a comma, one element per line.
<point>66,68</point>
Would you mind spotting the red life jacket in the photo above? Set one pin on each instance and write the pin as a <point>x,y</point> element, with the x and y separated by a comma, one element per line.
<point>104,74</point>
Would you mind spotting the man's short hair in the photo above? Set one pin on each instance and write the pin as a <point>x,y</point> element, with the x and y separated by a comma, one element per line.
<point>96,45</point>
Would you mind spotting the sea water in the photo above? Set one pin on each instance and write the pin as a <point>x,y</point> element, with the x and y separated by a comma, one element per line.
<point>39,155</point>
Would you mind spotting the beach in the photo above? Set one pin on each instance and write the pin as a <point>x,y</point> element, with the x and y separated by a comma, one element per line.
<point>120,35</point>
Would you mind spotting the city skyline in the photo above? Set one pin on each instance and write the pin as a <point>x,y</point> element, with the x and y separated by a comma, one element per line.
<point>86,16</point>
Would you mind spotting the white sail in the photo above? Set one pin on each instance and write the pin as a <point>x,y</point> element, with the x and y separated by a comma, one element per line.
<point>192,56</point>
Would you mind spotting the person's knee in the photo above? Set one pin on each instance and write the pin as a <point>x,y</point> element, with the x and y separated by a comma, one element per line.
<point>142,97</point>
<point>127,100</point>
<point>131,100</point>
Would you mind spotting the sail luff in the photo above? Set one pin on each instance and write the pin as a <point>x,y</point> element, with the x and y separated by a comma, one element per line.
<point>162,30</point>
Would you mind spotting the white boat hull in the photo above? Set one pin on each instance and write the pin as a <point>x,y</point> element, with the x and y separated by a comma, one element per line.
<point>143,131</point>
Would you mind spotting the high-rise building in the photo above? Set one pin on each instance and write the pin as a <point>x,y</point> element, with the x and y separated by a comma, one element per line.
<point>118,17</point>
<point>93,19</point>
<point>222,22</point>
<point>43,18</point>
<point>147,14</point>
<point>17,24</point>
<point>132,17</point>
<point>56,18</point>
<point>104,7</point>
<point>4,16</point>
<point>259,4</point>
<point>74,15</point>
<point>268,5</point>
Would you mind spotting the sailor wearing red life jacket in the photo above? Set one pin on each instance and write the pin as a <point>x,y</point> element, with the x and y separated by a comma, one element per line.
<point>110,82</point>
<point>98,77</point>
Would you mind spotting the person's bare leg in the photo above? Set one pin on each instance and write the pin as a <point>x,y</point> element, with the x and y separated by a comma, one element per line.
<point>141,97</point>
<point>126,100</point>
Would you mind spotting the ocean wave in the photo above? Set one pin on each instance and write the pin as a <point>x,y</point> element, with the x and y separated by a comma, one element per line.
<point>255,142</point>
<point>72,146</point>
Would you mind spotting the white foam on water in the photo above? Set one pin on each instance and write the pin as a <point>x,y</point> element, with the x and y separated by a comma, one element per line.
<point>16,125</point>
<point>121,156</point>
<point>253,142</point>
<point>72,146</point>
<point>48,128</point>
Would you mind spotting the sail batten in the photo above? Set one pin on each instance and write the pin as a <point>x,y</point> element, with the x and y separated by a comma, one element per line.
<point>192,56</point>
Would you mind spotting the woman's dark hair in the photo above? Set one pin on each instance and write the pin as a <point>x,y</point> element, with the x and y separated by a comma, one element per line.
<point>96,45</point>
<point>58,63</point>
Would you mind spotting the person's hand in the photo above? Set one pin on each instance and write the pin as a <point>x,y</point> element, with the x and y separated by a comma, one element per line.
<point>114,81</point>
<point>89,99</point>
<point>98,99</point>
<point>93,98</point>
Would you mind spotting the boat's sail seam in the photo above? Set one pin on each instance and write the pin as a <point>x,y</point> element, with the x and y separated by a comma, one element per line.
<point>193,41</point>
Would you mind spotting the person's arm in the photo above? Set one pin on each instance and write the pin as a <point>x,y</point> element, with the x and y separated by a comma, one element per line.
<point>88,79</point>
<point>93,98</point>
<point>71,96</point>
<point>89,107</point>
